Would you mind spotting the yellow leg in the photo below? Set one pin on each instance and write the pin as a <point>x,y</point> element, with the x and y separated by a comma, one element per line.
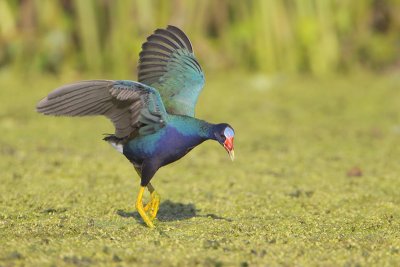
<point>140,209</point>
<point>154,203</point>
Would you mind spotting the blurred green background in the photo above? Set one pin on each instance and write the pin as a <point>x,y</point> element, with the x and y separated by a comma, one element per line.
<point>311,87</point>
<point>308,36</point>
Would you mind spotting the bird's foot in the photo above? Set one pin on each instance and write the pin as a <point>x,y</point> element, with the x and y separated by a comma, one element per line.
<point>153,205</point>
<point>141,210</point>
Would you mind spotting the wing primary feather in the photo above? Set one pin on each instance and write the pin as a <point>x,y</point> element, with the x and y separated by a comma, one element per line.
<point>157,72</point>
<point>181,35</point>
<point>67,107</point>
<point>152,45</point>
<point>171,36</point>
<point>196,63</point>
<point>104,109</point>
<point>83,111</point>
<point>97,109</point>
<point>149,66</point>
<point>190,58</point>
<point>46,102</point>
<point>144,60</point>
<point>80,109</point>
<point>187,62</point>
<point>77,87</point>
<point>151,75</point>
<point>163,40</point>
<point>72,91</point>
<point>144,53</point>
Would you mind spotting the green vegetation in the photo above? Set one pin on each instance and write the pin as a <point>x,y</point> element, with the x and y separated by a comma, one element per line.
<point>316,180</point>
<point>272,36</point>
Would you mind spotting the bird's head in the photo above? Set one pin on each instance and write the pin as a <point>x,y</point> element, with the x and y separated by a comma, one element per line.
<point>224,134</point>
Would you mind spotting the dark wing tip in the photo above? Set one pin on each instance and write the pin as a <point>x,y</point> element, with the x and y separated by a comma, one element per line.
<point>41,106</point>
<point>181,34</point>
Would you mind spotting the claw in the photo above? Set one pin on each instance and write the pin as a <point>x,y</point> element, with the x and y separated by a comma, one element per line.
<point>153,205</point>
<point>147,206</point>
<point>140,208</point>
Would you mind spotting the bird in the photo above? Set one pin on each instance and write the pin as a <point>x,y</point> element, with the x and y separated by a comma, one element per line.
<point>154,117</point>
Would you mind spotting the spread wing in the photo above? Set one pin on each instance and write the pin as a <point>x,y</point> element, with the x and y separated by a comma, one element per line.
<point>131,106</point>
<point>167,63</point>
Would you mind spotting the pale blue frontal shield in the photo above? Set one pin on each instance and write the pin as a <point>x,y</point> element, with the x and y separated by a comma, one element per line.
<point>229,132</point>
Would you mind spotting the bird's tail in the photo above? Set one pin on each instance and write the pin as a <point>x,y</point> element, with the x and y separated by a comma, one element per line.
<point>115,142</point>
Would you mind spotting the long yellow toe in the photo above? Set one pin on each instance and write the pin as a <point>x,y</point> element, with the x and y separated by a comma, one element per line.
<point>140,208</point>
